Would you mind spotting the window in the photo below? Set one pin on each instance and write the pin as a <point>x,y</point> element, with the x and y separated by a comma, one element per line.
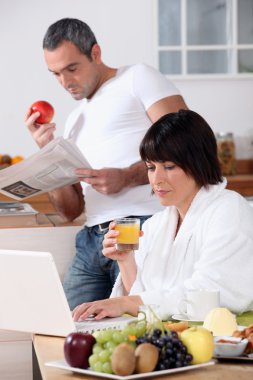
<point>205,37</point>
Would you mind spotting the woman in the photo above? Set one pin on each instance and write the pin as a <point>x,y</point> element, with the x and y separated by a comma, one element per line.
<point>202,239</point>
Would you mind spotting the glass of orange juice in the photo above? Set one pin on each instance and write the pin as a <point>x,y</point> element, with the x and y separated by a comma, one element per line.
<point>129,233</point>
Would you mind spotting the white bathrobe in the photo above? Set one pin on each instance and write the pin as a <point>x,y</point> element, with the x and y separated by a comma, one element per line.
<point>212,250</point>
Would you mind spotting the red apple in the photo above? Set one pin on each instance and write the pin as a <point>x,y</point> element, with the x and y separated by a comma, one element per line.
<point>45,109</point>
<point>78,348</point>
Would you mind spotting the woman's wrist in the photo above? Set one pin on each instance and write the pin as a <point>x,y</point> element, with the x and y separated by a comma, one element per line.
<point>125,256</point>
<point>131,304</point>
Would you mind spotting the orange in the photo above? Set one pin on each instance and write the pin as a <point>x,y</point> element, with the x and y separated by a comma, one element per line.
<point>16,159</point>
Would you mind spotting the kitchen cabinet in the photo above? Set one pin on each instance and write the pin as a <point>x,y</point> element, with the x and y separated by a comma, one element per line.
<point>242,182</point>
<point>15,355</point>
<point>207,38</point>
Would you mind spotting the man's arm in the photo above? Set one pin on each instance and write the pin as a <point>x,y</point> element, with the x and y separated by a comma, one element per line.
<point>68,201</point>
<point>112,180</point>
<point>136,174</point>
<point>166,105</point>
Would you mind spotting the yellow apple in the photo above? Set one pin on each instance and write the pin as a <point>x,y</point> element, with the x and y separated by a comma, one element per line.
<point>199,342</point>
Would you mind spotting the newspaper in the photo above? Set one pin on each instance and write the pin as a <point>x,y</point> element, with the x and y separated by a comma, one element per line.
<point>51,167</point>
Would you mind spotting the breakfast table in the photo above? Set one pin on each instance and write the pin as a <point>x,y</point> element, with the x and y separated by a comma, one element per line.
<point>48,348</point>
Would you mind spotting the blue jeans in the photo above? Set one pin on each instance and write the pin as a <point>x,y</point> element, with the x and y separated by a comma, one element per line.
<point>91,275</point>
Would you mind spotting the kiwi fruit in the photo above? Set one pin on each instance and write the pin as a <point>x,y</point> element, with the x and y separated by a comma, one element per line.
<point>123,360</point>
<point>146,357</point>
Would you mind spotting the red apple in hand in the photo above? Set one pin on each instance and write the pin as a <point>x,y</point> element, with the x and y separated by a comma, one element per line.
<point>45,109</point>
<point>78,348</point>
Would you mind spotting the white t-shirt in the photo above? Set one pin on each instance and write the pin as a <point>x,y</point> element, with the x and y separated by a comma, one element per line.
<point>108,130</point>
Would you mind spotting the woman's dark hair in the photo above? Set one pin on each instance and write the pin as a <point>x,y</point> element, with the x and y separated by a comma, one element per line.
<point>72,30</point>
<point>187,140</point>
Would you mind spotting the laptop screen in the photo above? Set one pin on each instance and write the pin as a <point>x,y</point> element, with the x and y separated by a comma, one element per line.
<point>32,298</point>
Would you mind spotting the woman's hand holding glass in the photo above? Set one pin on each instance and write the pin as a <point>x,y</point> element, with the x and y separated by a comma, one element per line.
<point>125,259</point>
<point>109,245</point>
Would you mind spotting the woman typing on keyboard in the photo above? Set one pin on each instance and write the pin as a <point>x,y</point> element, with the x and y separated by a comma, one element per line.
<point>201,240</point>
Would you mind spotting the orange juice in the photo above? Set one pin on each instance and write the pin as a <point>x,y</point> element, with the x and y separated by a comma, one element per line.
<point>129,233</point>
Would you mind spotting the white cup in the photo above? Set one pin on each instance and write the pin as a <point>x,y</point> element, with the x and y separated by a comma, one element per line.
<point>199,302</point>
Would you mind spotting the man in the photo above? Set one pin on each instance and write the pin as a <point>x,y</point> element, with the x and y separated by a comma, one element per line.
<point>117,107</point>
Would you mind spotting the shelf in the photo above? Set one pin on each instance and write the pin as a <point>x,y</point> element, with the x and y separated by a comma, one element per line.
<point>242,182</point>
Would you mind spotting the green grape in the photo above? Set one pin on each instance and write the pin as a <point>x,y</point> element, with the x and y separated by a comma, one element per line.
<point>99,337</point>
<point>125,332</point>
<point>140,328</point>
<point>110,346</point>
<point>104,356</point>
<point>93,359</point>
<point>129,330</point>
<point>97,348</point>
<point>106,367</point>
<point>133,329</point>
<point>104,336</point>
<point>96,333</point>
<point>98,367</point>
<point>118,337</point>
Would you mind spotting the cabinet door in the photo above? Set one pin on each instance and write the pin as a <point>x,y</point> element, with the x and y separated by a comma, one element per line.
<point>16,360</point>
<point>245,36</point>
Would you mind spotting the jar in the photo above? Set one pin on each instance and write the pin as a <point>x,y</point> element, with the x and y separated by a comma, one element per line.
<point>226,152</point>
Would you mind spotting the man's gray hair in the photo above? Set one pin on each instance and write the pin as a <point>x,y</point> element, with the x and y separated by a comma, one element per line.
<point>73,30</point>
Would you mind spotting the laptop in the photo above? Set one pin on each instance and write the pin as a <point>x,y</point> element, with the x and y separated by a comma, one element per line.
<point>32,298</point>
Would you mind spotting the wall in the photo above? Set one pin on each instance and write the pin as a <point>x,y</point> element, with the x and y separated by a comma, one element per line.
<point>126,31</point>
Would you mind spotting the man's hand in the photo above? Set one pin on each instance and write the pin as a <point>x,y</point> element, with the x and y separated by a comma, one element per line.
<point>113,180</point>
<point>41,133</point>
<point>105,181</point>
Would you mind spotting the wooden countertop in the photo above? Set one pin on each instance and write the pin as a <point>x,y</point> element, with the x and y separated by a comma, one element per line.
<point>51,348</point>
<point>41,203</point>
<point>47,216</point>
<point>242,183</point>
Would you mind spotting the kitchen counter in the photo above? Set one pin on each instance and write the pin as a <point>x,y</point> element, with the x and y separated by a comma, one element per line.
<point>242,183</point>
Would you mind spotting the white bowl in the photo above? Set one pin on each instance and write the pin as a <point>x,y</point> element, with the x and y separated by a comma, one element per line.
<point>229,346</point>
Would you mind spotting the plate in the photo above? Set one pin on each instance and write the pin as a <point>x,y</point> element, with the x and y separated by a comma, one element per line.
<point>61,364</point>
<point>183,317</point>
<point>245,357</point>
